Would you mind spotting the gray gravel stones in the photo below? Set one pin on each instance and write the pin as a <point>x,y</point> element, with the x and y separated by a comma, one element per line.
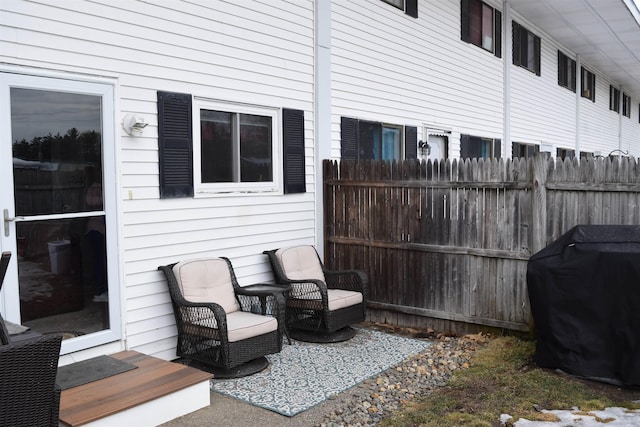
<point>372,400</point>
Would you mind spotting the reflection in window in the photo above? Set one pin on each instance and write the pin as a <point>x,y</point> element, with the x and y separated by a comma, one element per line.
<point>587,84</point>
<point>566,71</point>
<point>57,150</point>
<point>235,147</point>
<point>526,48</point>
<point>481,25</point>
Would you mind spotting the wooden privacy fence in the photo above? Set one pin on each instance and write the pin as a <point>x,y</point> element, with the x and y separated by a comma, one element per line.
<point>450,240</point>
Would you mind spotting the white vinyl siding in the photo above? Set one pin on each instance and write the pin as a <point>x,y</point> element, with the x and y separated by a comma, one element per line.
<point>419,72</point>
<point>541,112</point>
<point>258,53</point>
<point>411,72</point>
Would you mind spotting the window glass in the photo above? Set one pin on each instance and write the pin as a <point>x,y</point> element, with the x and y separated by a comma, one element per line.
<point>217,146</point>
<point>475,147</point>
<point>256,163</point>
<point>566,72</point>
<point>57,150</point>
<point>524,150</point>
<point>238,147</point>
<point>526,48</point>
<point>588,84</point>
<point>487,27</point>
<point>479,25</point>
<point>475,22</point>
<point>626,105</point>
<point>397,3</point>
<point>391,143</point>
<point>614,99</point>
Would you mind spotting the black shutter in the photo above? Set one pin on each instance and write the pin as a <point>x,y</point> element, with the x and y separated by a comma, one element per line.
<point>465,147</point>
<point>516,43</point>
<point>293,147</point>
<point>572,70</point>
<point>562,68</point>
<point>536,46</point>
<point>465,31</point>
<point>497,33</point>
<point>410,142</point>
<point>369,140</point>
<point>175,145</point>
<point>411,8</point>
<point>348,138</point>
<point>497,148</point>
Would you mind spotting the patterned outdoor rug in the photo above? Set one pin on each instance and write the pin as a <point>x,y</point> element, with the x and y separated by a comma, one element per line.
<point>304,374</point>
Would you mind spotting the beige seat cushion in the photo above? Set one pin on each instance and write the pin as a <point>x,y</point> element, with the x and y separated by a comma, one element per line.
<point>207,280</point>
<point>300,263</point>
<point>338,298</point>
<point>240,326</point>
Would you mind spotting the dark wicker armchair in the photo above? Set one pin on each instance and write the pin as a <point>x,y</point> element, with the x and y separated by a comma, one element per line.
<point>4,264</point>
<point>220,325</point>
<point>29,396</point>
<point>321,303</point>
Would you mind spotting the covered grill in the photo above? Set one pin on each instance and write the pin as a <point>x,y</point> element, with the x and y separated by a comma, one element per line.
<point>584,291</point>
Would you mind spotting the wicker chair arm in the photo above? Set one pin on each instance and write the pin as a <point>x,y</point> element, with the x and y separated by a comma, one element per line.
<point>246,290</point>
<point>209,315</point>
<point>250,294</point>
<point>351,280</point>
<point>306,287</point>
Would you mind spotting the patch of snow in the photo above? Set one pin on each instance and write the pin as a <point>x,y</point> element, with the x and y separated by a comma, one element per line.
<point>609,417</point>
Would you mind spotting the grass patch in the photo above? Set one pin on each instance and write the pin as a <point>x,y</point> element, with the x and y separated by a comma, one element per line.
<point>502,379</point>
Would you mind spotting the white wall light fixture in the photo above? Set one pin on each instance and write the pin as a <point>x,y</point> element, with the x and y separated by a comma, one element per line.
<point>133,124</point>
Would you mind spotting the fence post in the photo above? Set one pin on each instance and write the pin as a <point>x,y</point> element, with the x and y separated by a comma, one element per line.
<point>539,203</point>
<point>539,212</point>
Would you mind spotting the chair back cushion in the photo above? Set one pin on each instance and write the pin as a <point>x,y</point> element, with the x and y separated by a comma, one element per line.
<point>207,280</point>
<point>300,263</point>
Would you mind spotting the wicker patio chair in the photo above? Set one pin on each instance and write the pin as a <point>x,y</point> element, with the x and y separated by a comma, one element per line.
<point>321,303</point>
<point>29,396</point>
<point>219,326</point>
<point>4,264</point>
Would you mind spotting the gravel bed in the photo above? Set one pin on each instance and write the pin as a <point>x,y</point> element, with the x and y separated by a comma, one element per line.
<point>376,398</point>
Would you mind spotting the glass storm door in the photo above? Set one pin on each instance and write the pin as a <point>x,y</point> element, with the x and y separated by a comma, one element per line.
<point>53,206</point>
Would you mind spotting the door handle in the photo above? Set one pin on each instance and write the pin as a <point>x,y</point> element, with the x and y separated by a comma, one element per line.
<point>7,220</point>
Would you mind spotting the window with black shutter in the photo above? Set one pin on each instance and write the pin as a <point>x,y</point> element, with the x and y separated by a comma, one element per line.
<point>524,150</point>
<point>587,84</point>
<point>614,99</point>
<point>235,148</point>
<point>367,140</point>
<point>526,48</point>
<point>566,72</point>
<point>481,25</point>
<point>475,147</point>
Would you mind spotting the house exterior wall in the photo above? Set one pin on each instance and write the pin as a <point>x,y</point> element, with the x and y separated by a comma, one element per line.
<point>390,67</point>
<point>384,66</point>
<point>257,53</point>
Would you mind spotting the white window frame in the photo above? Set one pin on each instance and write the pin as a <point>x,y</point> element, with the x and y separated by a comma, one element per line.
<point>207,189</point>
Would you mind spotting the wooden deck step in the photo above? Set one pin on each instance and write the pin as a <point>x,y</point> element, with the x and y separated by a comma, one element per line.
<point>156,392</point>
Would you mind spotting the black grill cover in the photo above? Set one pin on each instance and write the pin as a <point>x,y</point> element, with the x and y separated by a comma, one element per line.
<point>584,291</point>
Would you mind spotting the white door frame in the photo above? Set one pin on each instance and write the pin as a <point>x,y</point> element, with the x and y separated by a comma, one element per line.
<point>106,89</point>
